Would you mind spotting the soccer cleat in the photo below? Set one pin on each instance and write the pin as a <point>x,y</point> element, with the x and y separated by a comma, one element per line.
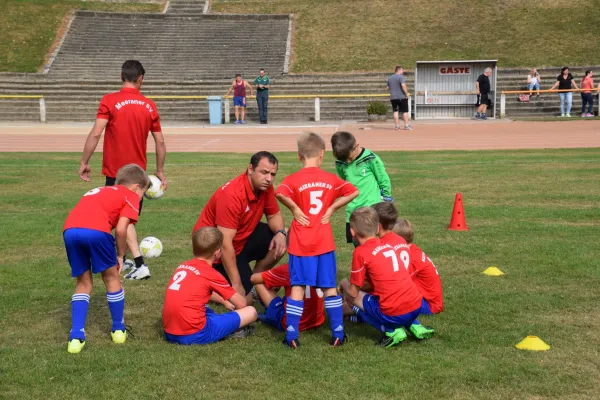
<point>421,332</point>
<point>127,265</point>
<point>138,274</point>
<point>294,344</point>
<point>337,342</point>
<point>119,337</point>
<point>75,346</point>
<point>390,339</point>
<point>243,333</point>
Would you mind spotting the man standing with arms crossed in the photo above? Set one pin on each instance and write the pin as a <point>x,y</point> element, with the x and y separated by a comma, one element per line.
<point>127,116</point>
<point>263,84</point>
<point>483,88</point>
<point>399,97</point>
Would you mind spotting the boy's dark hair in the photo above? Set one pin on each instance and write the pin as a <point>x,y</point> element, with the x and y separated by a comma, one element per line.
<point>404,229</point>
<point>388,215</point>
<point>398,68</point>
<point>257,157</point>
<point>262,69</point>
<point>238,75</point>
<point>131,71</point>
<point>310,145</point>
<point>131,174</point>
<point>342,143</point>
<point>364,221</point>
<point>206,241</point>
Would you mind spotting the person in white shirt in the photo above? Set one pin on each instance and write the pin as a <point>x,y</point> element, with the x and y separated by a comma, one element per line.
<point>533,82</point>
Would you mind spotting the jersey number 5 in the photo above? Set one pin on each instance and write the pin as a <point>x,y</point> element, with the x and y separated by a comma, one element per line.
<point>315,202</point>
<point>179,276</point>
<point>404,257</point>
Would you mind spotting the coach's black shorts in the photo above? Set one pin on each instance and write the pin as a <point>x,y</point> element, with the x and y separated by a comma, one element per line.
<point>255,249</point>
<point>484,98</point>
<point>111,182</point>
<point>349,235</point>
<point>400,105</point>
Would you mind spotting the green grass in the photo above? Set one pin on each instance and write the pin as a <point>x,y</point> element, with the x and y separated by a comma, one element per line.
<point>29,27</point>
<point>533,214</point>
<point>375,35</point>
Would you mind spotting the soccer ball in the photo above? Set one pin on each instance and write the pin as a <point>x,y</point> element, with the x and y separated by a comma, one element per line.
<point>155,191</point>
<point>151,247</point>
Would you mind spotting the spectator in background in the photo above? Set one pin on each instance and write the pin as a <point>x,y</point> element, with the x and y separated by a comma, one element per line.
<point>483,88</point>
<point>239,97</point>
<point>262,83</point>
<point>399,97</point>
<point>565,82</point>
<point>533,82</point>
<point>587,98</point>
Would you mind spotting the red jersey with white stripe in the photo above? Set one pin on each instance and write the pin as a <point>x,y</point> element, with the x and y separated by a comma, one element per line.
<point>400,246</point>
<point>379,263</point>
<point>101,208</point>
<point>312,315</point>
<point>235,205</point>
<point>188,292</point>
<point>314,191</point>
<point>131,116</point>
<point>425,275</point>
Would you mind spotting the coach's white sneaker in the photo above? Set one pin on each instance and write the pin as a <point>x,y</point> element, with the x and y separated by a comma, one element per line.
<point>127,266</point>
<point>140,273</point>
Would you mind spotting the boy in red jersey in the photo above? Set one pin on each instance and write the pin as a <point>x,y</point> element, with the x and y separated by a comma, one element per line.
<point>423,273</point>
<point>313,195</point>
<point>267,285</point>
<point>395,302</point>
<point>91,247</point>
<point>186,317</point>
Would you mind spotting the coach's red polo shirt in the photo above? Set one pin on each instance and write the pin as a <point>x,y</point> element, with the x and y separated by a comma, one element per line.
<point>236,206</point>
<point>130,117</point>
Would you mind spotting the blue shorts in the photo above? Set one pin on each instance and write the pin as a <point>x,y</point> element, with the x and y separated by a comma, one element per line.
<point>239,101</point>
<point>386,323</point>
<point>89,249</point>
<point>217,327</point>
<point>425,309</point>
<point>274,313</point>
<point>317,271</point>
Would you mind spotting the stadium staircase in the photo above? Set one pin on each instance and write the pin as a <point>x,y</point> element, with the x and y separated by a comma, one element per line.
<point>186,52</point>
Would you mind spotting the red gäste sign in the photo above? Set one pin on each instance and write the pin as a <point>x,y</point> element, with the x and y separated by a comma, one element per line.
<point>455,70</point>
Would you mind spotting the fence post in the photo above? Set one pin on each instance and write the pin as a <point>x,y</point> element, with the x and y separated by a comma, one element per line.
<point>409,107</point>
<point>317,109</point>
<point>42,109</point>
<point>227,117</point>
<point>502,105</point>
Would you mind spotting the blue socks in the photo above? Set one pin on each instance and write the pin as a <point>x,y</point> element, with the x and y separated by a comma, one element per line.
<point>79,308</point>
<point>333,305</point>
<point>116,305</point>
<point>293,313</point>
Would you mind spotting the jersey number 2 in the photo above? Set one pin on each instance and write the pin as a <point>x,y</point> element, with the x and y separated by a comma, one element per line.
<point>179,276</point>
<point>315,202</point>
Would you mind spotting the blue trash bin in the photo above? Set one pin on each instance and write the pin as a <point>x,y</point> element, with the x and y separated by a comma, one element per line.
<point>214,110</point>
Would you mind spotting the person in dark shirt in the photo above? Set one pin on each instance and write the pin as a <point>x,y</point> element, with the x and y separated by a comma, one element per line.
<point>483,88</point>
<point>565,82</point>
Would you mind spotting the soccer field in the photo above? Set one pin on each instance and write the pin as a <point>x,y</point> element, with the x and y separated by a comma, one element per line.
<point>534,214</point>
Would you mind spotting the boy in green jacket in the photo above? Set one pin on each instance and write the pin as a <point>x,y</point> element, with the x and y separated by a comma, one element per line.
<point>363,169</point>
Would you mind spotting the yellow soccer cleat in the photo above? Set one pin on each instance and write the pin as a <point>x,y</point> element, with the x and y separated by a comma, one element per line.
<point>75,346</point>
<point>119,337</point>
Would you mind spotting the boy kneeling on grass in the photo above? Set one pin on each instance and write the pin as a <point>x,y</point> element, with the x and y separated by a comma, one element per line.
<point>395,301</point>
<point>186,317</point>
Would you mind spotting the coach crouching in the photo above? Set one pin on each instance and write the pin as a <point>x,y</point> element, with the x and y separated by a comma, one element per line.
<point>236,209</point>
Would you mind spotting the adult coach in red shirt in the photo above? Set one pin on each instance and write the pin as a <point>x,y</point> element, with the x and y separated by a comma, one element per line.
<point>236,209</point>
<point>127,116</point>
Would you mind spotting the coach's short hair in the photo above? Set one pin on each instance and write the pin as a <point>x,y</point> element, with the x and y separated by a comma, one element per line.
<point>364,221</point>
<point>342,143</point>
<point>310,145</point>
<point>131,174</point>
<point>257,158</point>
<point>398,68</point>
<point>404,228</point>
<point>131,71</point>
<point>388,215</point>
<point>206,240</point>
<point>238,75</point>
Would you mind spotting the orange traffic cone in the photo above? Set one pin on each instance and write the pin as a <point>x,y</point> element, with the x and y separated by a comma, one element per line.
<point>458,221</point>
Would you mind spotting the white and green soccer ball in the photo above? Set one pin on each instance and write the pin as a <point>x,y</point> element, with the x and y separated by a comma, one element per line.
<point>151,247</point>
<point>155,191</point>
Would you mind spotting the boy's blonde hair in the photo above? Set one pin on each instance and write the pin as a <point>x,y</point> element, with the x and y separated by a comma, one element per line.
<point>342,144</point>
<point>310,145</point>
<point>364,221</point>
<point>404,229</point>
<point>388,215</point>
<point>131,174</point>
<point>206,241</point>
